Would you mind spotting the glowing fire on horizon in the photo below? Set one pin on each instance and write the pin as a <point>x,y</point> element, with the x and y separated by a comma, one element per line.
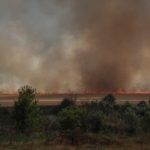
<point>119,91</point>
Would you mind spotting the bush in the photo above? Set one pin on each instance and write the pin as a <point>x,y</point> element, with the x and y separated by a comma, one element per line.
<point>102,123</point>
<point>96,121</point>
<point>106,107</point>
<point>142,104</point>
<point>70,117</point>
<point>146,122</point>
<point>25,111</point>
<point>109,98</point>
<point>128,113</point>
<point>70,120</point>
<point>51,124</point>
<point>66,102</point>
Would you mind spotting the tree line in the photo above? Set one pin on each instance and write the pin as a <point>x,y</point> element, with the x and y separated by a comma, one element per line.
<point>102,116</point>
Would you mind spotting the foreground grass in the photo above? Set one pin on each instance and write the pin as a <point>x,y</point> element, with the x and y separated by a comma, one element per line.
<point>86,142</point>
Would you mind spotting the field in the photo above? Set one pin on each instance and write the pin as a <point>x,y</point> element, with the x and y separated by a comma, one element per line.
<point>123,124</point>
<point>96,143</point>
<point>55,99</point>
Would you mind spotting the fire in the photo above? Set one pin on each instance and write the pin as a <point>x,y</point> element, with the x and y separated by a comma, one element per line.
<point>8,93</point>
<point>118,91</point>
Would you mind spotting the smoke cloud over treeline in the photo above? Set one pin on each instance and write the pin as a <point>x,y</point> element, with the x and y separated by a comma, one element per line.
<point>75,45</point>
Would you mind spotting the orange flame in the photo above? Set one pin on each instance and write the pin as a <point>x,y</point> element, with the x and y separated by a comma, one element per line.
<point>118,91</point>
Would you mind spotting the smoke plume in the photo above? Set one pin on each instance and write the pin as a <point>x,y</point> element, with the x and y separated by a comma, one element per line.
<point>75,45</point>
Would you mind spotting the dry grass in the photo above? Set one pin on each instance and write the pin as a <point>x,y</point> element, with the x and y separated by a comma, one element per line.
<point>88,142</point>
<point>34,146</point>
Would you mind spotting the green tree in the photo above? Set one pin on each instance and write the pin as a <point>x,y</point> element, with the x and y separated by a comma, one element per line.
<point>26,113</point>
<point>70,120</point>
<point>70,117</point>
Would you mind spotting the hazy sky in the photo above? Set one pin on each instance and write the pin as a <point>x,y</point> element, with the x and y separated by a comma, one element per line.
<point>56,45</point>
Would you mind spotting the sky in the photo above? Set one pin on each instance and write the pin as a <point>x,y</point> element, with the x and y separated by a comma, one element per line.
<point>75,45</point>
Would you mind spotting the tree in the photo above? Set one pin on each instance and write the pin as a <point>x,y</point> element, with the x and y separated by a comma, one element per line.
<point>66,102</point>
<point>70,119</point>
<point>25,112</point>
<point>142,104</point>
<point>109,98</point>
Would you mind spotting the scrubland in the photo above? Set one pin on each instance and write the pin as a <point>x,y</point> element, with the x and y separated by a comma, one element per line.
<point>100,124</point>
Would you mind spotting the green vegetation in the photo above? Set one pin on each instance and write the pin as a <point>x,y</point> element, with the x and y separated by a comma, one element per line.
<point>25,112</point>
<point>70,117</point>
<point>101,122</point>
<point>70,120</point>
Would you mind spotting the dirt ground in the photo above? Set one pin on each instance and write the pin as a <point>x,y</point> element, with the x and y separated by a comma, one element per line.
<point>54,99</point>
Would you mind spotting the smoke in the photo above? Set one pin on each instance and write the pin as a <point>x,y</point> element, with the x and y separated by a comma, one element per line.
<point>74,45</point>
<point>116,53</point>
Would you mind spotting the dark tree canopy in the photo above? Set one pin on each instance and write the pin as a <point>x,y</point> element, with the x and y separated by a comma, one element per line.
<point>109,98</point>
<point>25,111</point>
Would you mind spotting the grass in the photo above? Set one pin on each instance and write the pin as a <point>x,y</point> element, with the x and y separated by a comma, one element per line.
<point>85,142</point>
<point>88,141</point>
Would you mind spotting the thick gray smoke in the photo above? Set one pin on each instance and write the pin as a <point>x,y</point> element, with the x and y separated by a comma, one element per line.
<point>57,45</point>
<point>116,35</point>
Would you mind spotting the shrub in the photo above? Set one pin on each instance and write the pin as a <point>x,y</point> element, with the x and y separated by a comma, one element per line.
<point>25,111</point>
<point>70,120</point>
<point>66,102</point>
<point>102,123</point>
<point>51,124</point>
<point>128,114</point>
<point>142,104</point>
<point>106,107</point>
<point>109,98</point>
<point>70,117</point>
<point>96,121</point>
<point>146,122</point>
